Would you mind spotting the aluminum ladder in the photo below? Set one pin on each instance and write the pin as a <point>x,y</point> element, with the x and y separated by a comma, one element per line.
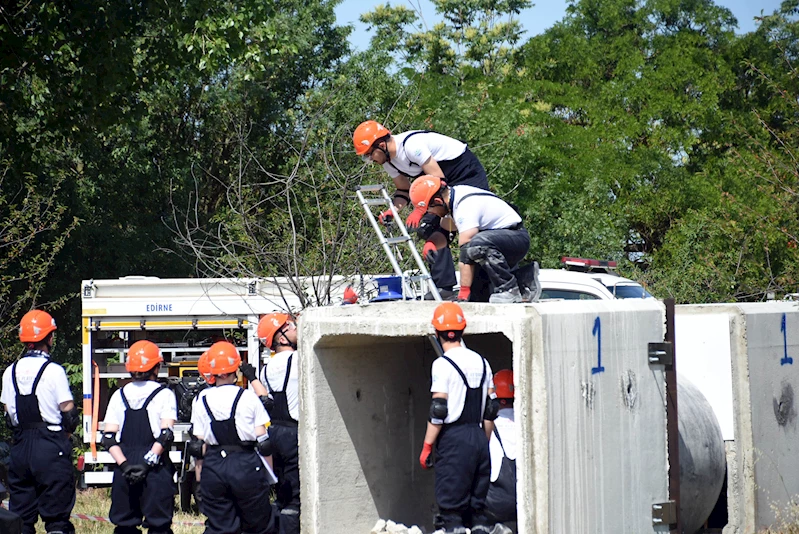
<point>378,196</point>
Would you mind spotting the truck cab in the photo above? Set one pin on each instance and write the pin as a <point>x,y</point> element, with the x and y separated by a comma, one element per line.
<point>184,317</point>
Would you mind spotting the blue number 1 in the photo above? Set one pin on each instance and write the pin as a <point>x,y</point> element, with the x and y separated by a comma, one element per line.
<point>597,331</point>
<point>786,359</point>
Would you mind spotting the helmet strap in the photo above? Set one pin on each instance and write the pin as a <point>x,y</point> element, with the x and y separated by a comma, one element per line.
<point>279,344</point>
<point>383,149</point>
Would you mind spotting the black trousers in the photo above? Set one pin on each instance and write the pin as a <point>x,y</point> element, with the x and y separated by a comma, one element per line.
<point>41,480</point>
<point>235,494</point>
<point>153,500</point>
<point>442,269</point>
<point>463,473</point>
<point>497,252</point>
<point>287,469</point>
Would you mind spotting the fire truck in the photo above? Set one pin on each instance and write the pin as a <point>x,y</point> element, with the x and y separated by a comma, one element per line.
<point>184,317</point>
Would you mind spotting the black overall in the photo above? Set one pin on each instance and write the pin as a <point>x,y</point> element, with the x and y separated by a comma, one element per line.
<point>465,169</point>
<point>501,498</point>
<point>497,252</point>
<point>283,435</point>
<point>233,484</point>
<point>463,463</point>
<point>152,499</point>
<point>41,478</point>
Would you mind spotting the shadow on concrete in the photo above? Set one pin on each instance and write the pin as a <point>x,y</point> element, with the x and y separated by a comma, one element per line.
<point>381,388</point>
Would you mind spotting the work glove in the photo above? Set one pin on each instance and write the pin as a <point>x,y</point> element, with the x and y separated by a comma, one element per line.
<point>424,459</point>
<point>414,218</point>
<point>387,217</point>
<point>429,252</point>
<point>464,293</point>
<point>249,372</point>
<point>134,473</point>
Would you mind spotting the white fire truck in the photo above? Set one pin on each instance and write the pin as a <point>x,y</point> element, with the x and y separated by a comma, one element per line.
<point>184,317</point>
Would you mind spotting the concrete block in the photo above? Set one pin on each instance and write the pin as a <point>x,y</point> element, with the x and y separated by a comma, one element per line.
<point>762,340</point>
<point>591,412</point>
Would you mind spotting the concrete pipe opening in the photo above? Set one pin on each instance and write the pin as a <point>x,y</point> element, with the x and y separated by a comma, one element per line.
<point>702,456</point>
<point>374,401</point>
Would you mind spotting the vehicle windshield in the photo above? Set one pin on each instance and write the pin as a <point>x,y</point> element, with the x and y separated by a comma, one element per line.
<point>629,291</point>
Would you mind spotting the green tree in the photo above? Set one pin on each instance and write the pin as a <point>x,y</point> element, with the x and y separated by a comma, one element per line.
<point>124,110</point>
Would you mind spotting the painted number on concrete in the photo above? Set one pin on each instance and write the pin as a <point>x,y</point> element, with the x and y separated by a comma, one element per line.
<point>597,331</point>
<point>785,359</point>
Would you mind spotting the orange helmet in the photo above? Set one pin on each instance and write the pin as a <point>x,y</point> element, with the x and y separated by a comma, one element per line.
<point>143,356</point>
<point>35,326</point>
<point>223,358</point>
<point>423,189</point>
<point>448,316</point>
<point>269,325</point>
<point>350,296</point>
<point>366,134</point>
<point>503,384</point>
<point>204,368</point>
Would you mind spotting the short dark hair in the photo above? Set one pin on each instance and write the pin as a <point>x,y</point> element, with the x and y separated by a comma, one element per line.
<point>450,335</point>
<point>144,376</point>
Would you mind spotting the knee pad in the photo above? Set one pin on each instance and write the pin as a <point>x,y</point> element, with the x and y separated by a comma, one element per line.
<point>166,438</point>
<point>438,411</point>
<point>471,254</point>
<point>429,224</point>
<point>492,408</point>
<point>109,440</point>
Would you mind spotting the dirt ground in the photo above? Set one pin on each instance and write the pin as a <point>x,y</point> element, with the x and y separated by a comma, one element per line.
<point>97,501</point>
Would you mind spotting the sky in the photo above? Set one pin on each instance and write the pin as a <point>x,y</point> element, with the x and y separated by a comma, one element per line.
<point>534,20</point>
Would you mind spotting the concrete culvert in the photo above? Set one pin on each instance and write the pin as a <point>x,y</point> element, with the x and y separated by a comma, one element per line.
<point>702,459</point>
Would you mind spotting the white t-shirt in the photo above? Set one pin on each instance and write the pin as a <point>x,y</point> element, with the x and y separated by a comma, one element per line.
<point>163,405</point>
<point>196,406</point>
<point>275,371</point>
<point>249,412</point>
<point>53,388</point>
<point>418,149</point>
<point>482,211</point>
<point>446,379</point>
<point>506,427</point>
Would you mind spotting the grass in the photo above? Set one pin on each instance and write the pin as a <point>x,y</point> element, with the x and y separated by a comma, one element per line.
<point>787,519</point>
<point>97,501</point>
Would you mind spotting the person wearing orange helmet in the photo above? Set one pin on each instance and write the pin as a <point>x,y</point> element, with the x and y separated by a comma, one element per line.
<point>232,425</point>
<point>501,498</point>
<point>461,419</point>
<point>40,411</point>
<point>409,155</point>
<point>138,434</point>
<point>278,333</point>
<point>491,235</point>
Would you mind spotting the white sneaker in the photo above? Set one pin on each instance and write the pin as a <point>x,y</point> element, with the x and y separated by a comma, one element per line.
<point>506,297</point>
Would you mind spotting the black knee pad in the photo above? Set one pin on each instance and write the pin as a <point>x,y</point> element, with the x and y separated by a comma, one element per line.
<point>471,255</point>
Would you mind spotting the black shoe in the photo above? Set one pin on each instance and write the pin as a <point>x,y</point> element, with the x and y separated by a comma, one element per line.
<point>446,294</point>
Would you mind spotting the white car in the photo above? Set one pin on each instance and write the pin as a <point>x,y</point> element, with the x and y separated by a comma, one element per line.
<point>573,285</point>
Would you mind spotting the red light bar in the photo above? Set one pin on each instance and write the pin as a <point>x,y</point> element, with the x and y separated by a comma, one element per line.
<point>587,263</point>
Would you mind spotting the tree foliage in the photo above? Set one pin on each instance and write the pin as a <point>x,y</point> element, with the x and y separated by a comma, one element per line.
<point>212,138</point>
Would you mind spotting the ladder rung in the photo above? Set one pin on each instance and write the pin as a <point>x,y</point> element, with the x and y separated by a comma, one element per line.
<point>396,240</point>
<point>377,187</point>
<point>375,201</point>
